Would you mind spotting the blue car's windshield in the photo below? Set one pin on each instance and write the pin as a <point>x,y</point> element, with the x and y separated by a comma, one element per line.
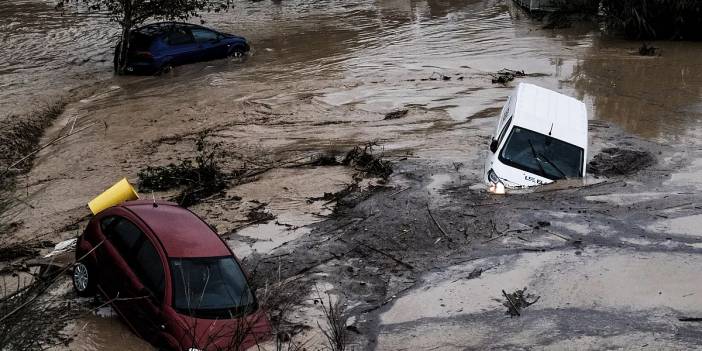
<point>210,287</point>
<point>542,155</point>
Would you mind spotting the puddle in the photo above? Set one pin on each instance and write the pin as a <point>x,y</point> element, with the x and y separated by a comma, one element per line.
<point>263,238</point>
<point>690,176</point>
<point>286,194</point>
<point>578,228</point>
<point>688,225</point>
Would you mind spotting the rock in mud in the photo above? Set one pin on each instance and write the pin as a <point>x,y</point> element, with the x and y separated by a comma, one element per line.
<point>616,161</point>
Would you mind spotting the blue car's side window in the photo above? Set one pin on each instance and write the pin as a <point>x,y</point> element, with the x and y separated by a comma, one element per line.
<point>204,35</point>
<point>179,36</point>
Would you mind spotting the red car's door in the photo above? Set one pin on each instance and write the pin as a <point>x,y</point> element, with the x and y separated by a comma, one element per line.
<point>148,285</point>
<point>120,237</point>
<point>119,280</point>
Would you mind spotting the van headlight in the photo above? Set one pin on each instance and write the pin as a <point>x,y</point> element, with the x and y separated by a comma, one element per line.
<point>496,186</point>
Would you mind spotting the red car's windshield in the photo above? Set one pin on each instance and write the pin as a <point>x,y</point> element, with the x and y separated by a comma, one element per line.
<point>212,287</point>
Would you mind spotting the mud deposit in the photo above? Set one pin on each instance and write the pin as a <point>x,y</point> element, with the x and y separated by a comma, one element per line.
<point>613,262</point>
<point>616,162</point>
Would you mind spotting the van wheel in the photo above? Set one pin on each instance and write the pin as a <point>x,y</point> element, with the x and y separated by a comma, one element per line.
<point>84,279</point>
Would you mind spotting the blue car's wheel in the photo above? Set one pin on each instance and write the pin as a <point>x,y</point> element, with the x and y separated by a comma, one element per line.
<point>165,68</point>
<point>237,51</point>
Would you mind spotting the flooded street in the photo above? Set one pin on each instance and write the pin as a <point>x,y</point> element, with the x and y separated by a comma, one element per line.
<point>614,268</point>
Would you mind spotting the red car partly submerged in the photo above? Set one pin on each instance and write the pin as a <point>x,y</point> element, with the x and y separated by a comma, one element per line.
<point>171,278</point>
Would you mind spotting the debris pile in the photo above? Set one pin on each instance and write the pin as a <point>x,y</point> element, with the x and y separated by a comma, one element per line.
<point>364,160</point>
<point>396,114</point>
<point>616,161</point>
<point>646,50</point>
<point>505,76</point>
<point>259,214</point>
<point>199,179</point>
<point>518,300</point>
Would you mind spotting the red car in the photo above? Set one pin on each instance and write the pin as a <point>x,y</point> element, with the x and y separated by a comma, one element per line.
<point>170,277</point>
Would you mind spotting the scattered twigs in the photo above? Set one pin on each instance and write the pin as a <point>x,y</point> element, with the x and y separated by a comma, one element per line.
<point>399,261</point>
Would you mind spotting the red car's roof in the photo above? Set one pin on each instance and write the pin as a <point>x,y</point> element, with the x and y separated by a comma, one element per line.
<point>181,232</point>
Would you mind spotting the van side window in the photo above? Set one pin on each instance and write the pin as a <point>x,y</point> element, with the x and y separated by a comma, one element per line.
<point>504,130</point>
<point>124,235</point>
<point>147,266</point>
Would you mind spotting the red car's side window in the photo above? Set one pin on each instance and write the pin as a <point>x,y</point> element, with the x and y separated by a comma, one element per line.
<point>124,235</point>
<point>138,251</point>
<point>148,267</point>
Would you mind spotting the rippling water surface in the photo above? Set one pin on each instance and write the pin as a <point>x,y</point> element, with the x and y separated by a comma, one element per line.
<point>376,55</point>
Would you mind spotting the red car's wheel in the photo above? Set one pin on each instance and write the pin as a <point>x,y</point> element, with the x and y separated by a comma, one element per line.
<point>83,279</point>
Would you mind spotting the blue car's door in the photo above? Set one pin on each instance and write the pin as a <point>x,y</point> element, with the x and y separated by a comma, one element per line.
<point>210,43</point>
<point>181,46</point>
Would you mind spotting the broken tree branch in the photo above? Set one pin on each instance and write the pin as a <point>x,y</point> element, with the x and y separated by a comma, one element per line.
<point>438,225</point>
<point>514,307</point>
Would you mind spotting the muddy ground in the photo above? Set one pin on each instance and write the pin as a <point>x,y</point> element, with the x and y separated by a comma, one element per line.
<point>419,260</point>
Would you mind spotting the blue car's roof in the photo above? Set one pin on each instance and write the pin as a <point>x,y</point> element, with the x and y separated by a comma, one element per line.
<point>155,29</point>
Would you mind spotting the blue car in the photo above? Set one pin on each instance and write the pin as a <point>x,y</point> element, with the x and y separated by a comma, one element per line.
<point>158,47</point>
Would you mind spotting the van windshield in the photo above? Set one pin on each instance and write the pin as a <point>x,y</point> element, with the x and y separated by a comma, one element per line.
<point>211,287</point>
<point>542,155</point>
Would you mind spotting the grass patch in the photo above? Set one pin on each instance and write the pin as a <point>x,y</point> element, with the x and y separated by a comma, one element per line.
<point>20,136</point>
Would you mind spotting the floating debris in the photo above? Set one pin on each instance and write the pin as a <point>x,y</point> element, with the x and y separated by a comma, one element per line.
<point>363,159</point>
<point>646,50</point>
<point>518,300</point>
<point>396,114</point>
<point>505,76</point>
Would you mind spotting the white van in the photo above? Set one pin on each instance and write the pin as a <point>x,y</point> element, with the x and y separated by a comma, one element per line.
<point>541,137</point>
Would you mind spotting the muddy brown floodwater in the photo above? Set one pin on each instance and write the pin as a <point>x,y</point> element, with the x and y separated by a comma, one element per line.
<point>320,78</point>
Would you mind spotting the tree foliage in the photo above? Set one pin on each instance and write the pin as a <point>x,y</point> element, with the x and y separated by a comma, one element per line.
<point>655,19</point>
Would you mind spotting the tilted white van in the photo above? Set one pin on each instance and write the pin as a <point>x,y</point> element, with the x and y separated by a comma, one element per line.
<point>541,137</point>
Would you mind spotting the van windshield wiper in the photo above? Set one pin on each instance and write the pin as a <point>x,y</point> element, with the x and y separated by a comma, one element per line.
<point>554,166</point>
<point>536,157</point>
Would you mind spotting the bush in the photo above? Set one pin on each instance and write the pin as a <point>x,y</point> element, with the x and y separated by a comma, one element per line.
<point>199,179</point>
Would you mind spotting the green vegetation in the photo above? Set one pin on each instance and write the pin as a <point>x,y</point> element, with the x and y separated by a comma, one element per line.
<point>655,19</point>
<point>198,179</point>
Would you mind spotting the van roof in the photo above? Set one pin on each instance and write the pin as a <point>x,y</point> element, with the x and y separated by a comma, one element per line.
<point>544,111</point>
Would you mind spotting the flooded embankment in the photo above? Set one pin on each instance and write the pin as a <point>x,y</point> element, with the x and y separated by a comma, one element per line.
<point>320,79</point>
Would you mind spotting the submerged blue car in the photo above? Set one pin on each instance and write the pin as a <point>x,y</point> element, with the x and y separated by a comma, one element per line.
<point>158,47</point>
